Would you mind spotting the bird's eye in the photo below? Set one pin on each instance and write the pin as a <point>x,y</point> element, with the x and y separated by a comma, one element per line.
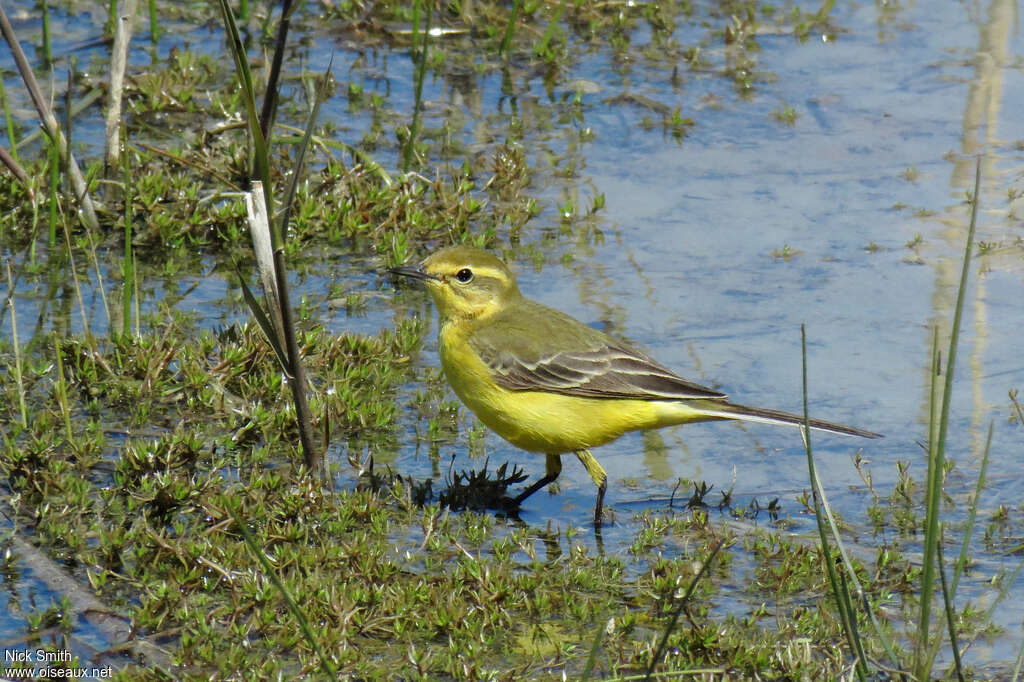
<point>464,275</point>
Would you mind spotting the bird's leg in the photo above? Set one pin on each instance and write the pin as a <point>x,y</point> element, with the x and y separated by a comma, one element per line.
<point>554,467</point>
<point>600,478</point>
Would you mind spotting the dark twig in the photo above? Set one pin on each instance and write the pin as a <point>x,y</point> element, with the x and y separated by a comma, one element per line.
<point>271,96</point>
<point>78,183</point>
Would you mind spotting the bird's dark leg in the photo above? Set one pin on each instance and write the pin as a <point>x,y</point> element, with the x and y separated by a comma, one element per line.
<point>554,467</point>
<point>600,478</point>
<point>599,507</point>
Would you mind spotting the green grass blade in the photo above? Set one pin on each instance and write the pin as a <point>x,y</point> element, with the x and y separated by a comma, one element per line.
<point>53,204</point>
<point>326,663</point>
<point>300,156</point>
<point>850,576</point>
<point>543,50</point>
<point>61,390</point>
<point>704,568</point>
<point>299,386</point>
<point>1019,664</point>
<point>261,152</point>
<point>923,664</point>
<point>272,270</point>
<point>921,642</point>
<point>1007,581</point>
<point>9,121</point>
<point>128,264</point>
<point>263,321</point>
<point>839,588</point>
<point>421,74</point>
<point>1017,406</point>
<point>947,600</point>
<point>47,42</point>
<point>23,409</point>
<point>358,155</point>
<point>510,30</point>
<point>154,23</point>
<point>588,669</point>
<point>270,97</point>
<point>270,262</point>
<point>972,510</point>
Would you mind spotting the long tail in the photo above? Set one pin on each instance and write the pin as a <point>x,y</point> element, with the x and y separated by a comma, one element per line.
<point>724,410</point>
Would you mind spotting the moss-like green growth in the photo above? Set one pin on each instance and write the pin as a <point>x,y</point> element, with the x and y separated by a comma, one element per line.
<point>145,451</point>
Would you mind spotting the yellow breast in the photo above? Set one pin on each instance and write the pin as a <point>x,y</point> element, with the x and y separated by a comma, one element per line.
<point>537,421</point>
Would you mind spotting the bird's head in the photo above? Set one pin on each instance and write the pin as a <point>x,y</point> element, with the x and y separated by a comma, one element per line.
<point>465,282</point>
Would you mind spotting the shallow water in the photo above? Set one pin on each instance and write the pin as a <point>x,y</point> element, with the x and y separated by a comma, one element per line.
<point>686,270</point>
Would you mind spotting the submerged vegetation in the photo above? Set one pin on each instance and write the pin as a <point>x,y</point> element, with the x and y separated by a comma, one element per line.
<point>152,472</point>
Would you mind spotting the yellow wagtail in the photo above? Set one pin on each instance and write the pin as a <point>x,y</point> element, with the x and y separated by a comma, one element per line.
<point>550,384</point>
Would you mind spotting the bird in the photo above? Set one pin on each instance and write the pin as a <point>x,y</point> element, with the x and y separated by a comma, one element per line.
<point>550,384</point>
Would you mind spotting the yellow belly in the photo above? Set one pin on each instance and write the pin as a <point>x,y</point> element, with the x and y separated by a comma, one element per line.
<point>549,423</point>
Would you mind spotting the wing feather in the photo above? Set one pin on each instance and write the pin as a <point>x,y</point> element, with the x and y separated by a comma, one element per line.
<point>541,349</point>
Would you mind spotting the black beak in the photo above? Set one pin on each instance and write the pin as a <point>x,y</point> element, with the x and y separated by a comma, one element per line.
<point>412,272</point>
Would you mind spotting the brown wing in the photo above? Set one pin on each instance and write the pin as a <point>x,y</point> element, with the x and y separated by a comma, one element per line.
<point>535,348</point>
